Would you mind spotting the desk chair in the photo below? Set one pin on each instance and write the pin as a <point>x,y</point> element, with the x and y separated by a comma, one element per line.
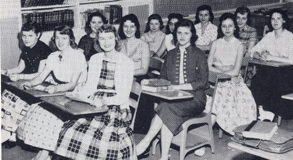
<point>134,100</point>
<point>197,131</point>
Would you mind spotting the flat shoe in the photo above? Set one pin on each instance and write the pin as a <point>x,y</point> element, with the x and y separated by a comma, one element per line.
<point>200,152</point>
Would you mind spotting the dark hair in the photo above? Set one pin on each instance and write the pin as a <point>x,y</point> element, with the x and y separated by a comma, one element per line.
<point>284,15</point>
<point>172,16</point>
<point>94,14</point>
<point>202,8</point>
<point>107,28</point>
<point>65,30</point>
<point>242,10</point>
<point>32,26</point>
<point>151,17</point>
<point>131,17</point>
<point>224,17</point>
<point>186,23</point>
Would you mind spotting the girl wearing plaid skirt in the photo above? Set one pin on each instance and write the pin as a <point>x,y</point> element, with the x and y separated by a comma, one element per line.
<point>107,136</point>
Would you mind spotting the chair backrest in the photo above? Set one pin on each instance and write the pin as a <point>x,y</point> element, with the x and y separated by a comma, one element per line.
<point>156,63</point>
<point>134,100</point>
<point>213,79</point>
<point>245,62</point>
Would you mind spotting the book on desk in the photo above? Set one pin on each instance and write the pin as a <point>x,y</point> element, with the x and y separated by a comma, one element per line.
<point>257,130</point>
<point>155,85</point>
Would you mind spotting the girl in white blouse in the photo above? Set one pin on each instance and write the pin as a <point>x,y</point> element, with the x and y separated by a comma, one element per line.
<point>40,127</point>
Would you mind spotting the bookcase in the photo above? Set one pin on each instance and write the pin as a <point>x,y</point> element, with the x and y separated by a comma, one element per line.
<point>52,13</point>
<point>56,12</point>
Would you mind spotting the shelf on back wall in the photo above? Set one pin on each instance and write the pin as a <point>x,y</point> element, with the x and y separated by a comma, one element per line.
<point>96,1</point>
<point>50,7</point>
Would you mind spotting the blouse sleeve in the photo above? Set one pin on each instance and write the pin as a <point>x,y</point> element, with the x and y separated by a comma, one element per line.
<point>260,46</point>
<point>51,60</point>
<point>214,34</point>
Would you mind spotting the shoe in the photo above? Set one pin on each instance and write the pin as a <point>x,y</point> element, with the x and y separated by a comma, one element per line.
<point>145,154</point>
<point>265,115</point>
<point>200,152</point>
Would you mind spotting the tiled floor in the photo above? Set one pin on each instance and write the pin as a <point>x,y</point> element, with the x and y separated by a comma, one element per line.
<point>222,152</point>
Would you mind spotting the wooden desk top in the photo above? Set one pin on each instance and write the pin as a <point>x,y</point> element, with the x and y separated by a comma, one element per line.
<point>34,92</point>
<point>270,63</point>
<point>73,107</point>
<point>261,153</point>
<point>170,94</point>
<point>288,96</point>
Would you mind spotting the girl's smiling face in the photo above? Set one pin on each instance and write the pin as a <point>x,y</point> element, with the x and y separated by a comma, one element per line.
<point>129,29</point>
<point>228,27</point>
<point>154,25</point>
<point>62,41</point>
<point>107,41</point>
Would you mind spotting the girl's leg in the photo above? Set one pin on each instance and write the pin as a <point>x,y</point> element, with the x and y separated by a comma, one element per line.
<point>166,138</point>
<point>42,155</point>
<point>155,127</point>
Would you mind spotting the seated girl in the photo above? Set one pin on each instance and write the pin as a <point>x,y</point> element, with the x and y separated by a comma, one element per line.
<point>153,33</point>
<point>168,43</point>
<point>234,105</point>
<point>247,34</point>
<point>205,29</point>
<point>40,128</point>
<point>108,135</point>
<point>33,55</point>
<point>133,46</point>
<point>88,42</point>
<point>187,69</point>
<point>32,61</point>
<point>270,83</point>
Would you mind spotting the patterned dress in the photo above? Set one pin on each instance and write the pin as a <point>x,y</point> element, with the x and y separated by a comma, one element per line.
<point>13,108</point>
<point>234,104</point>
<point>105,136</point>
<point>42,124</point>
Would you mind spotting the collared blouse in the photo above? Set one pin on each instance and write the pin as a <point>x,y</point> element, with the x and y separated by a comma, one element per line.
<point>247,34</point>
<point>210,34</point>
<point>281,46</point>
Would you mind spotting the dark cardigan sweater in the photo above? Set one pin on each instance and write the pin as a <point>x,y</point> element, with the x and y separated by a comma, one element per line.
<point>196,72</point>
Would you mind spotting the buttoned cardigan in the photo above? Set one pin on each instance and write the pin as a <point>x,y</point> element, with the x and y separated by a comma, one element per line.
<point>195,68</point>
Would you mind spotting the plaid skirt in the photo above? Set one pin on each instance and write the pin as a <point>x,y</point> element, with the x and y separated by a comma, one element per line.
<point>107,136</point>
<point>13,110</point>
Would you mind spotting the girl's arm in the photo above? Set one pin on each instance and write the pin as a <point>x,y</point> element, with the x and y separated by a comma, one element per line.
<point>235,71</point>
<point>145,60</point>
<point>18,69</point>
<point>65,87</point>
<point>15,77</point>
<point>211,59</point>
<point>162,48</point>
<point>37,80</point>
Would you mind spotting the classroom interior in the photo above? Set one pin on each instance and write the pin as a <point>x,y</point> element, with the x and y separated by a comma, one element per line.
<point>11,20</point>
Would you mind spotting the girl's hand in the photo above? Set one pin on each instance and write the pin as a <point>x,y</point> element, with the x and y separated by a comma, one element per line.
<point>15,77</point>
<point>97,102</point>
<point>51,89</point>
<point>4,72</point>
<point>26,85</point>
